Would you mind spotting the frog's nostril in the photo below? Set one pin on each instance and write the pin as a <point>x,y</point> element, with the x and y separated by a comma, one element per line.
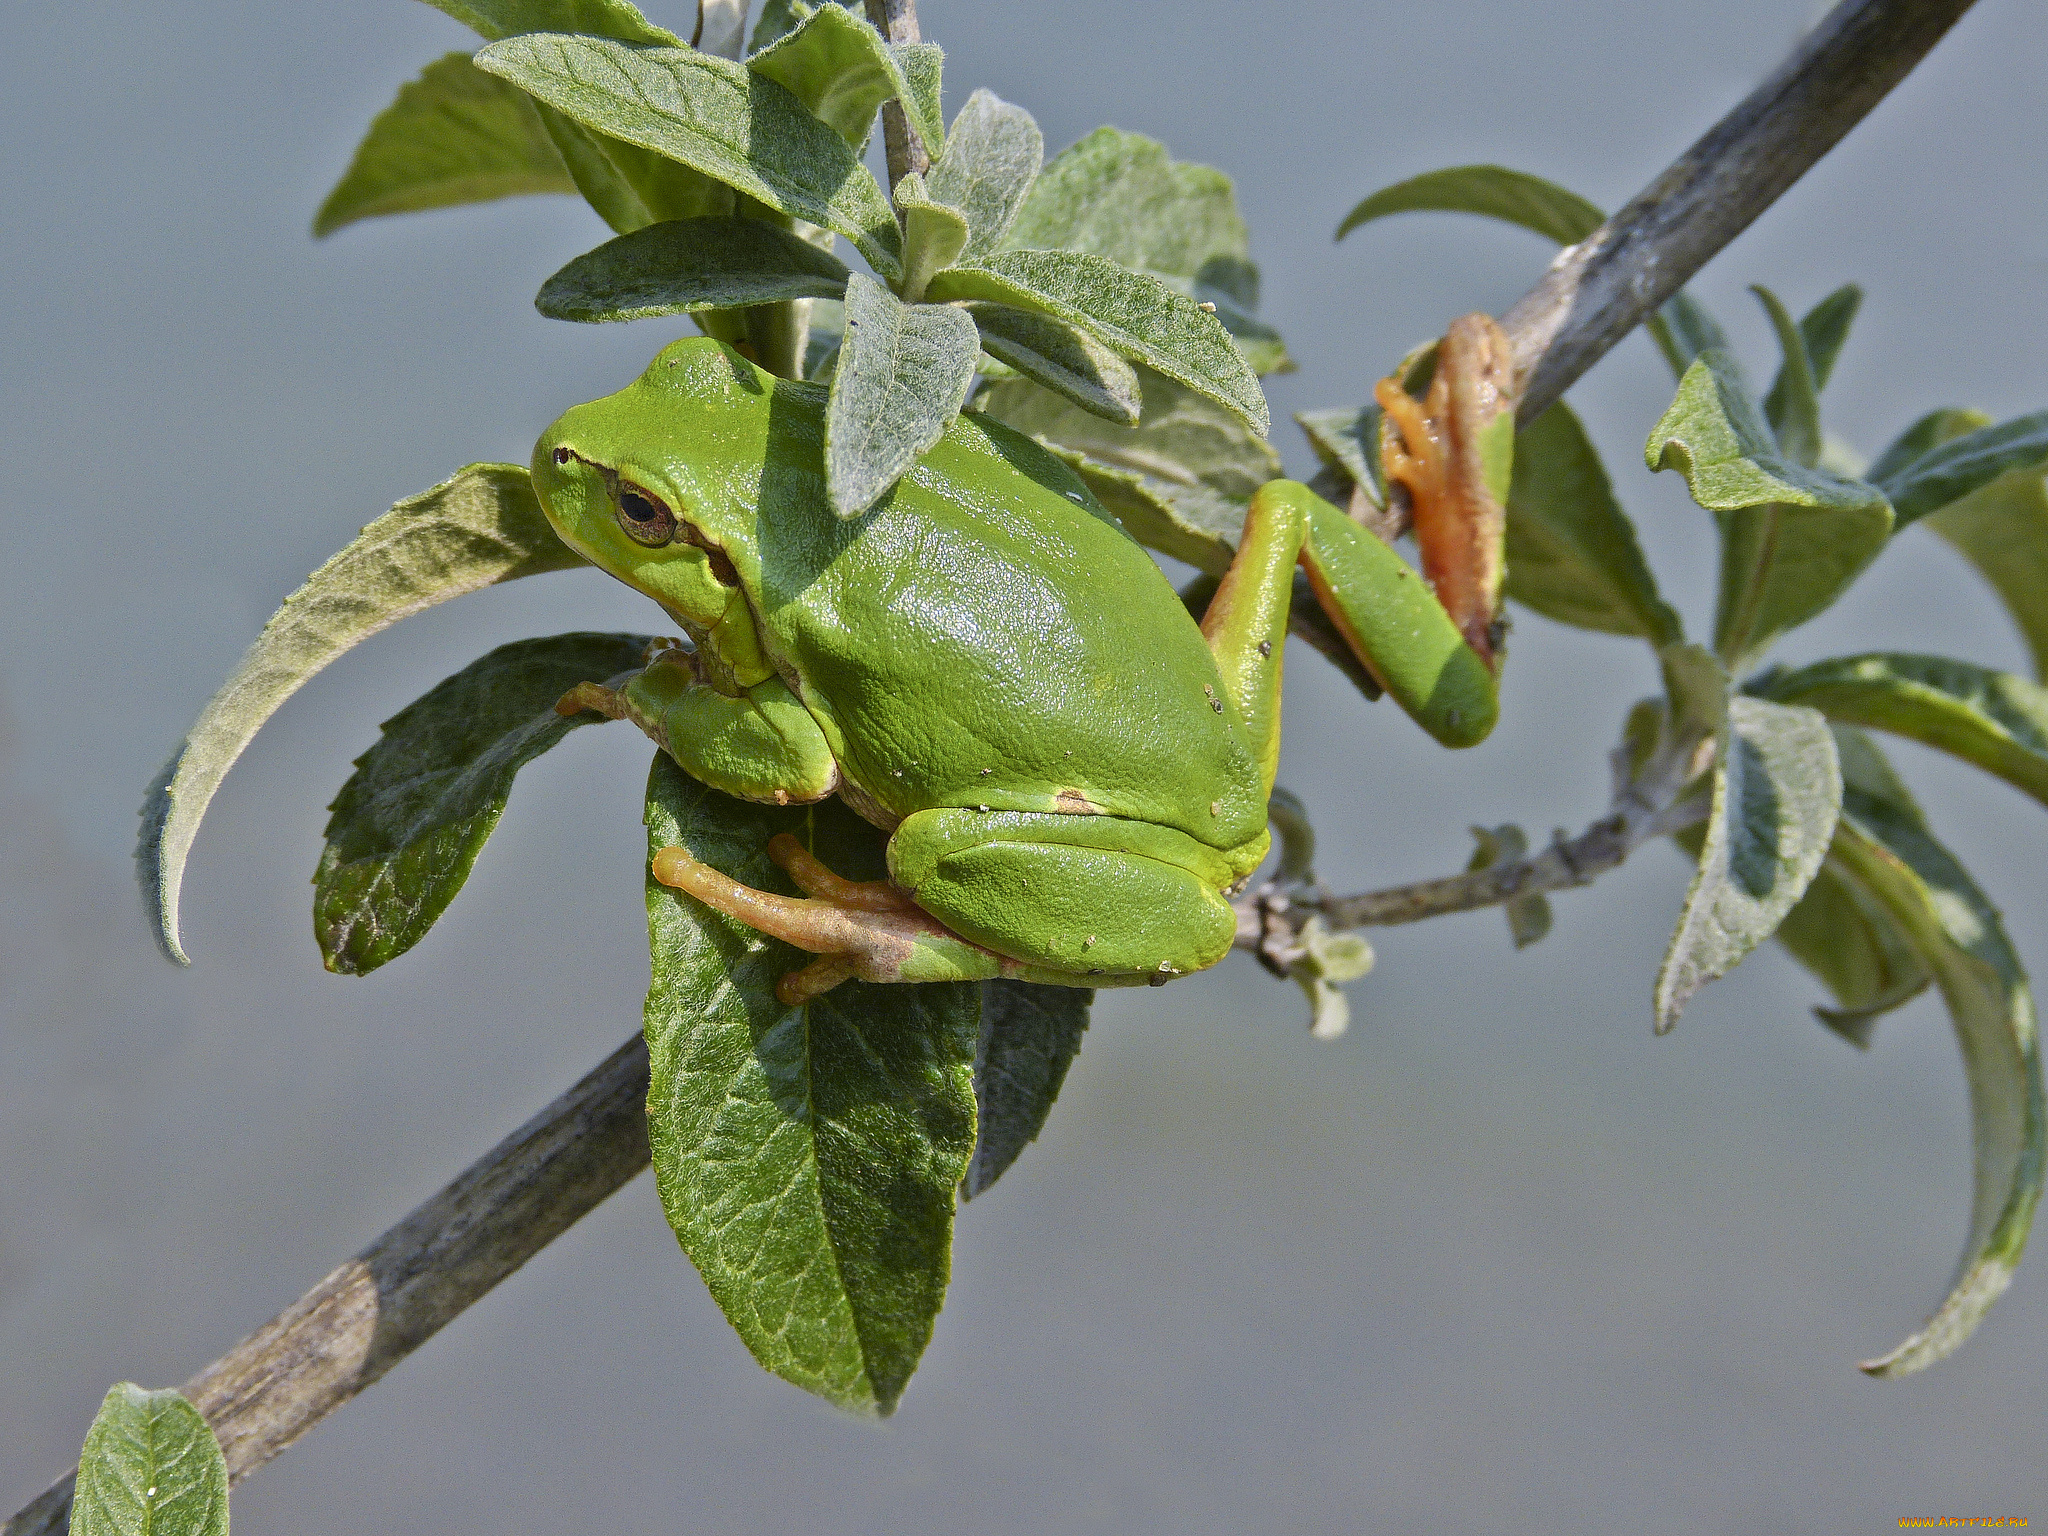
<point>562,455</point>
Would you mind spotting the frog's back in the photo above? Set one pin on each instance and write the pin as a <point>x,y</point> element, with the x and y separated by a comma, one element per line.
<point>988,636</point>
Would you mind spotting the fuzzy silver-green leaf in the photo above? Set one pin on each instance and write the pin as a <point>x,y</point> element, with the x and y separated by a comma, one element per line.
<point>687,265</point>
<point>714,116</point>
<point>902,375</point>
<point>1138,315</point>
<point>1777,792</point>
<point>483,525</point>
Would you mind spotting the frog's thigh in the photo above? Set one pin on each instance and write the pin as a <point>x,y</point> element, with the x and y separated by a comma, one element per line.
<point>764,746</point>
<point>1086,894</point>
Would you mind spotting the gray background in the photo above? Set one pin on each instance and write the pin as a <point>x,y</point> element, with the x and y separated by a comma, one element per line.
<point>1495,1261</point>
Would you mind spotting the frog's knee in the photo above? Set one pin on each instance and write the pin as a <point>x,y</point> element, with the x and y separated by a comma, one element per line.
<point>1090,911</point>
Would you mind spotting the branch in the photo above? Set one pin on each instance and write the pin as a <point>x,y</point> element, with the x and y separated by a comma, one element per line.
<point>897,21</point>
<point>1270,919</point>
<point>1599,290</point>
<point>397,1293</point>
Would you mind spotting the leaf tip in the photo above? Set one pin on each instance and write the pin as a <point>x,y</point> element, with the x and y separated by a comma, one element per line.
<point>160,876</point>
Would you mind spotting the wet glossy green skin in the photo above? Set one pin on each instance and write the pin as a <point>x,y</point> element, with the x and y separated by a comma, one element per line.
<point>984,663</point>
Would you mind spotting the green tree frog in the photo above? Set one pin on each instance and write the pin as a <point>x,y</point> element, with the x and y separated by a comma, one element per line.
<point>1073,773</point>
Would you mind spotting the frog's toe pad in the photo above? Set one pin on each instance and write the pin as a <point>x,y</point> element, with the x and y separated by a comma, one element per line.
<point>860,929</point>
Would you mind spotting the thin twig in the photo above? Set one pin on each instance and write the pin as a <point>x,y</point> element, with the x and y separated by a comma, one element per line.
<point>397,1293</point>
<point>373,1311</point>
<point>1599,290</point>
<point>897,21</point>
<point>1270,918</point>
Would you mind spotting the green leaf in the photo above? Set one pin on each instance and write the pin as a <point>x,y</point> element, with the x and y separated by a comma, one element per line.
<point>1854,948</point>
<point>992,155</point>
<point>1141,317</point>
<point>1840,931</point>
<point>2002,529</point>
<point>1119,195</point>
<point>484,525</point>
<point>150,1467</point>
<point>408,825</point>
<point>1528,916</point>
<point>627,186</point>
<point>1793,406</point>
<point>1029,1037</point>
<point>1792,536</point>
<point>842,69</point>
<point>494,19</point>
<point>1348,440</point>
<point>1494,191</point>
<point>716,117</point>
<point>611,196</point>
<point>1777,792</point>
<point>934,234</point>
<point>455,135</point>
<point>1681,328</point>
<point>1696,691</point>
<point>1992,719</point>
<point>1960,939</point>
<point>1062,358</point>
<point>902,375</point>
<point>1947,474</point>
<point>1825,327</point>
<point>778,19</point>
<point>688,265</point>
<point>807,1157</point>
<point>1928,433</point>
<point>1572,553</point>
<point>1180,479</point>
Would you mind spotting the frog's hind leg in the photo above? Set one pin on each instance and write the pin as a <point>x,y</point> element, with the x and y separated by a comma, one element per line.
<point>1385,611</point>
<point>1092,901</point>
<point>864,929</point>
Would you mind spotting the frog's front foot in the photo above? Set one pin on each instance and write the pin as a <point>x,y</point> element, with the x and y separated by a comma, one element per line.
<point>858,928</point>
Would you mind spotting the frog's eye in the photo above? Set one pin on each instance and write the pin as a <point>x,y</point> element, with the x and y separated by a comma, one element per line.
<point>643,518</point>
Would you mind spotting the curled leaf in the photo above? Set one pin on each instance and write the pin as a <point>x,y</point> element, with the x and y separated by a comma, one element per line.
<point>483,525</point>
<point>1961,941</point>
<point>1139,316</point>
<point>842,69</point>
<point>1793,536</point>
<point>1063,358</point>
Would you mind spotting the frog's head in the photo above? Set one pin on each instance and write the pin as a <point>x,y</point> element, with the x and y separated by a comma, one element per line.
<point>648,483</point>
